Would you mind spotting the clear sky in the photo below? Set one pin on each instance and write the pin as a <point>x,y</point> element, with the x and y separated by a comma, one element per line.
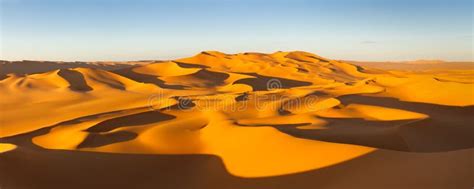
<point>145,29</point>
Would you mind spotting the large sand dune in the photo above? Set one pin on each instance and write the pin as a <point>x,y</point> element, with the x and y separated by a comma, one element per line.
<point>249,120</point>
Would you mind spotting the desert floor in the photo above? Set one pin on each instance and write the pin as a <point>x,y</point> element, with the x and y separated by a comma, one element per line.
<point>249,120</point>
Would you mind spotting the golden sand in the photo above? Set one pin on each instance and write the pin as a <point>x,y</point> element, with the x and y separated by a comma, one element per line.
<point>262,114</point>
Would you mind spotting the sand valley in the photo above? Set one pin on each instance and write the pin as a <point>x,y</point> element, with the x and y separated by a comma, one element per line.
<point>247,120</point>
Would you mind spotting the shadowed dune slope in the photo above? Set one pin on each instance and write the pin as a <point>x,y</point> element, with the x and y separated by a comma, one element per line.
<point>246,120</point>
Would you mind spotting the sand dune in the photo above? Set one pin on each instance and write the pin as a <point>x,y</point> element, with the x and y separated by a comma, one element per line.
<point>419,66</point>
<point>31,66</point>
<point>247,120</point>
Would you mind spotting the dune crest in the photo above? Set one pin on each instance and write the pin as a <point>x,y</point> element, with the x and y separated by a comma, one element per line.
<point>262,114</point>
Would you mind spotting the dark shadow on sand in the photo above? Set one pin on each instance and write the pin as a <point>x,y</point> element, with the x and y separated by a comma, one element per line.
<point>447,128</point>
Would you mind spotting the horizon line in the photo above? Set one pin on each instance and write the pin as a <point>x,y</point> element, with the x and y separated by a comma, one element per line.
<point>194,54</point>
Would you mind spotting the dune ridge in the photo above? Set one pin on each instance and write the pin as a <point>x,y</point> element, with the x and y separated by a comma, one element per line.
<point>262,115</point>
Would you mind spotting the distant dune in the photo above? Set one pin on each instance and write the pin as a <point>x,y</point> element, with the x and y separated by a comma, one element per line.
<point>426,62</point>
<point>247,120</point>
<point>417,65</point>
<point>31,66</point>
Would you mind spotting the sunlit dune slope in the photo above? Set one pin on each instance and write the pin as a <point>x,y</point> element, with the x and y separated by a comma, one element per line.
<point>263,114</point>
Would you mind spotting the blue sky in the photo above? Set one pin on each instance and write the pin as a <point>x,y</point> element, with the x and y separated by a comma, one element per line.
<point>144,29</point>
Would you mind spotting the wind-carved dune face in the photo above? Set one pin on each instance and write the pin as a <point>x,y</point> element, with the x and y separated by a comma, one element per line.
<point>261,114</point>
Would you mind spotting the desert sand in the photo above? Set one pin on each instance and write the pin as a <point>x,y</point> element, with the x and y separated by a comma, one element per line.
<point>247,120</point>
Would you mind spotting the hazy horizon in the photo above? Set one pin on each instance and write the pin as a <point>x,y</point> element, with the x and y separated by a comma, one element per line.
<point>105,30</point>
<point>132,94</point>
<point>196,53</point>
